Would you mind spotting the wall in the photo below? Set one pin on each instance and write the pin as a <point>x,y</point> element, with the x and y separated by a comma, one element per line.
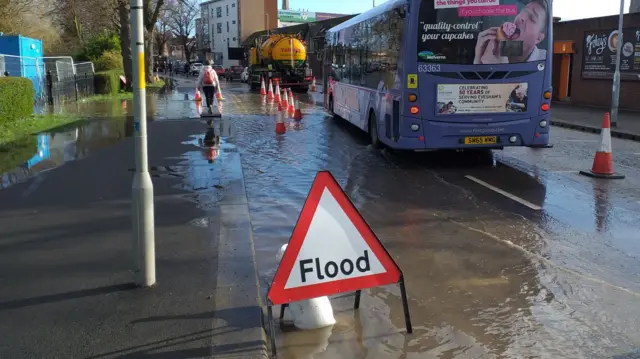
<point>591,91</point>
<point>255,14</point>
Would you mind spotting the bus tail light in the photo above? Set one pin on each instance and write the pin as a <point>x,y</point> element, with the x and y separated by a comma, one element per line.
<point>412,98</point>
<point>544,107</point>
<point>414,110</point>
<point>547,95</point>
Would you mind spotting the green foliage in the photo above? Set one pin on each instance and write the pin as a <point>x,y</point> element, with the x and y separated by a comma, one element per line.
<point>108,82</point>
<point>16,99</point>
<point>98,45</point>
<point>110,60</point>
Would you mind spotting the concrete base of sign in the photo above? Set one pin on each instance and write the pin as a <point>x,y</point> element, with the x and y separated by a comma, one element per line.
<point>310,314</point>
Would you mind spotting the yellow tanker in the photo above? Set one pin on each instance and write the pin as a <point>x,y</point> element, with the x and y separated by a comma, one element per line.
<point>281,51</point>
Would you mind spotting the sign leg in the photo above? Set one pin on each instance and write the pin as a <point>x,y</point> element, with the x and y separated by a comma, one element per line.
<point>356,304</point>
<point>405,306</point>
<point>282,308</point>
<point>272,331</point>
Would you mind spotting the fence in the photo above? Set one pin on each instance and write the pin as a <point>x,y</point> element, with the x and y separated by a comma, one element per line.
<point>55,80</point>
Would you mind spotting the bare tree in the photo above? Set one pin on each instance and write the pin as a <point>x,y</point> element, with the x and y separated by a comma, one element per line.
<point>163,31</point>
<point>29,18</point>
<point>182,16</point>
<point>151,10</point>
<point>82,19</point>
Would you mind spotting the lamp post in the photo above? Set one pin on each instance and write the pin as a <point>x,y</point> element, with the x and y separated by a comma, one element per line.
<point>615,93</point>
<point>142,187</point>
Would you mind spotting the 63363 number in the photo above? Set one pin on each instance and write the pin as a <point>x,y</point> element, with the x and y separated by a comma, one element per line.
<point>428,67</point>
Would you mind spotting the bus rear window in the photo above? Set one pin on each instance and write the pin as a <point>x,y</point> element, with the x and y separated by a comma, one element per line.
<point>469,32</point>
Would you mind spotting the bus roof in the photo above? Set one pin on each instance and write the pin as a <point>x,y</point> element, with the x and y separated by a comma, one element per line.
<point>381,9</point>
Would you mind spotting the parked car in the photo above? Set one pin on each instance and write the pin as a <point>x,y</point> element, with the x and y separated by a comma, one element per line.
<point>234,73</point>
<point>244,77</point>
<point>195,68</point>
<point>219,71</point>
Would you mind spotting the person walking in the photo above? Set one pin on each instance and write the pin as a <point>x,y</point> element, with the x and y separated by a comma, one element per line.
<point>209,83</point>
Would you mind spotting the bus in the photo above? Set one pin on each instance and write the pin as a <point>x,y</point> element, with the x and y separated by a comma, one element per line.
<point>444,74</point>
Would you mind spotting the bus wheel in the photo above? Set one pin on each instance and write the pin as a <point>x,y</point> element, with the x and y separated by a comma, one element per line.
<point>373,131</point>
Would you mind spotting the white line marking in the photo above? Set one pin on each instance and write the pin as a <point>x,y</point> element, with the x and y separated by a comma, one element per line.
<point>563,171</point>
<point>504,193</point>
<point>581,140</point>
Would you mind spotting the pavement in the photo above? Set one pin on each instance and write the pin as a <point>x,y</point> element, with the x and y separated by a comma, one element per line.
<point>589,119</point>
<point>66,263</point>
<point>507,253</point>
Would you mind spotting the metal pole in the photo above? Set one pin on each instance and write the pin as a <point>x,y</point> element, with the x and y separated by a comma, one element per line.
<point>142,187</point>
<point>615,93</point>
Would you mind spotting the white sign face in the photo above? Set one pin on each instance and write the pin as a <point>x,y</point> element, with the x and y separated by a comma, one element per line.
<point>444,4</point>
<point>333,249</point>
<point>456,99</point>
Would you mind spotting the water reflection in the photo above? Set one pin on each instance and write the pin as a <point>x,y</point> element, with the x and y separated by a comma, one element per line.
<point>52,149</point>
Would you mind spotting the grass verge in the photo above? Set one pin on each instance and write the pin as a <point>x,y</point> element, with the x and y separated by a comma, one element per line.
<point>16,130</point>
<point>119,96</point>
<point>17,144</point>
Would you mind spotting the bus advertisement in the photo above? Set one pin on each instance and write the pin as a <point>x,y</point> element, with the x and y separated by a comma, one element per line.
<point>444,74</point>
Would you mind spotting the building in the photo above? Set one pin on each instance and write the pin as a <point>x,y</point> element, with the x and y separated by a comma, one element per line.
<point>225,24</point>
<point>199,39</point>
<point>295,17</point>
<point>584,61</point>
<point>635,6</point>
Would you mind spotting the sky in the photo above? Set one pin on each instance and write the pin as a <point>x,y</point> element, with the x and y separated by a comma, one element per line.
<point>566,9</point>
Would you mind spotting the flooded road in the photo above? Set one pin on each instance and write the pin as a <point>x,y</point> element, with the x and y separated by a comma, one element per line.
<point>510,254</point>
<point>487,276</point>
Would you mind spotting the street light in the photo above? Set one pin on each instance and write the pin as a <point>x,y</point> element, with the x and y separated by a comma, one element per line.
<point>615,93</point>
<point>142,187</point>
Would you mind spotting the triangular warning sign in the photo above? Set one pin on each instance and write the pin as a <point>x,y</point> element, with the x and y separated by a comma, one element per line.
<point>332,249</point>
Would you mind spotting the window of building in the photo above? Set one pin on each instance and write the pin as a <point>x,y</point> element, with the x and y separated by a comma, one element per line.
<point>227,10</point>
<point>234,39</point>
<point>219,27</point>
<point>227,26</point>
<point>233,5</point>
<point>233,22</point>
<point>219,11</point>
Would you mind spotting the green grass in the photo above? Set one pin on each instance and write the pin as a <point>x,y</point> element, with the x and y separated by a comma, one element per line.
<point>156,84</point>
<point>12,134</point>
<point>119,96</point>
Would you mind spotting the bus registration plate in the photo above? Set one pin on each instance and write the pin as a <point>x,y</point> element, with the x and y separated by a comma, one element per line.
<point>480,140</point>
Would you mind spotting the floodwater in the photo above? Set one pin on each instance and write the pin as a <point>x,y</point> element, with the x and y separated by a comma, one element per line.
<point>486,276</point>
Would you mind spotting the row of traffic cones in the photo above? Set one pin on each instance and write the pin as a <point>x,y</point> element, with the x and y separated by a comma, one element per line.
<point>293,110</point>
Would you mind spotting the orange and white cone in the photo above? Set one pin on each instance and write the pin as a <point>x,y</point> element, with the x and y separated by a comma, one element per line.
<point>313,84</point>
<point>270,93</point>
<point>603,160</point>
<point>277,94</point>
<point>298,113</point>
<point>280,127</point>
<point>198,97</point>
<point>292,108</point>
<point>285,99</point>
<point>199,108</point>
<point>263,90</point>
<point>219,94</point>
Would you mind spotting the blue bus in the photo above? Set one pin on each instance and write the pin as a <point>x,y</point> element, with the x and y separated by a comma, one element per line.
<point>444,74</point>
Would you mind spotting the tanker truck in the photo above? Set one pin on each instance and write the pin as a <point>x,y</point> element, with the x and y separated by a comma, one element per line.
<point>282,57</point>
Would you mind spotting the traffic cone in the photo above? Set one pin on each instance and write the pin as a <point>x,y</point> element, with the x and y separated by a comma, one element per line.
<point>292,108</point>
<point>270,93</point>
<point>198,97</point>
<point>603,160</point>
<point>313,84</point>
<point>285,100</point>
<point>298,113</point>
<point>277,97</point>
<point>263,90</point>
<point>219,94</point>
<point>199,108</point>
<point>280,127</point>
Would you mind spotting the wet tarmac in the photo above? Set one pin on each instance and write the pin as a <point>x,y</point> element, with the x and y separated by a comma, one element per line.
<point>509,254</point>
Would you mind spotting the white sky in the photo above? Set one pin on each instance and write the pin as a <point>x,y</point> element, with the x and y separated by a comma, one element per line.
<point>580,9</point>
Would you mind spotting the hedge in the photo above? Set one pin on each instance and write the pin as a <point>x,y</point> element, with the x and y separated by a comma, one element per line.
<point>16,98</point>
<point>108,82</point>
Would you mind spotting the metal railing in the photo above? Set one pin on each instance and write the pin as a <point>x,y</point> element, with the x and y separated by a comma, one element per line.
<point>70,88</point>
